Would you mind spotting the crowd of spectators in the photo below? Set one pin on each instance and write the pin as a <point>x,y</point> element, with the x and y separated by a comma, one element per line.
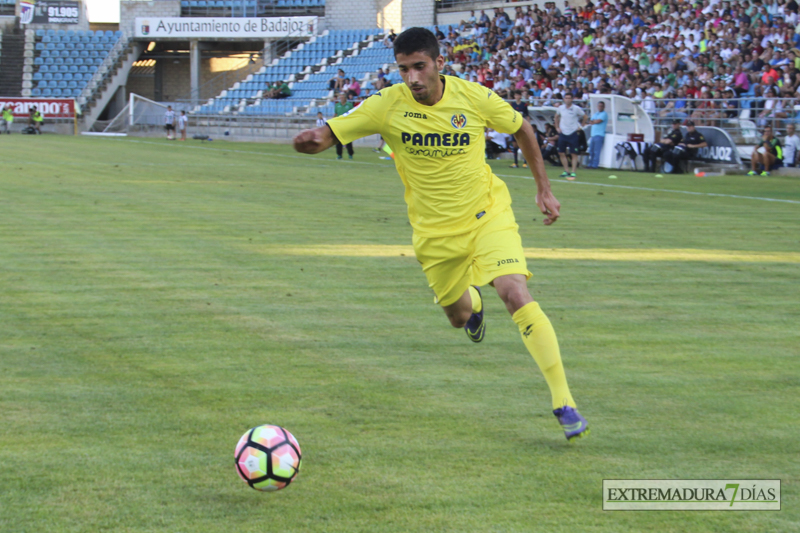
<point>704,60</point>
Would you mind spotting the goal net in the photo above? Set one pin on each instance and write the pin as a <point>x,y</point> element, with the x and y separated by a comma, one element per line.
<point>140,115</point>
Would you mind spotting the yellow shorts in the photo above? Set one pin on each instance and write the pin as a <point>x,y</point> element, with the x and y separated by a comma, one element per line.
<point>453,263</point>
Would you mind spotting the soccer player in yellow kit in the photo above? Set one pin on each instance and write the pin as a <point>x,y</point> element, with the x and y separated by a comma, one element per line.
<point>465,235</point>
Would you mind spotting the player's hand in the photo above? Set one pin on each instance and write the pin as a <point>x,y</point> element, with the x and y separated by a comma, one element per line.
<point>549,206</point>
<point>308,142</point>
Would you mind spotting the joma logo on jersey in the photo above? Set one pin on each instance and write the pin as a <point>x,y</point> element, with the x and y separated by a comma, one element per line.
<point>507,261</point>
<point>459,121</point>
<point>435,139</point>
<point>409,114</point>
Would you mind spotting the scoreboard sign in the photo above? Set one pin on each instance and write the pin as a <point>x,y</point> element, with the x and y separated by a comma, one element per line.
<point>50,12</point>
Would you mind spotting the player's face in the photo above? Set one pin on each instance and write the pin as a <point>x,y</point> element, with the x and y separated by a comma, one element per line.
<point>421,74</point>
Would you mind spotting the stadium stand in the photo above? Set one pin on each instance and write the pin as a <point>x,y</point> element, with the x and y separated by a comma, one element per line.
<point>708,61</point>
<point>7,8</point>
<point>323,55</point>
<point>64,61</point>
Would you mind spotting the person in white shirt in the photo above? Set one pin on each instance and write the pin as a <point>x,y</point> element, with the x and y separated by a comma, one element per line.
<point>790,146</point>
<point>496,143</point>
<point>169,122</point>
<point>320,119</point>
<point>568,120</point>
<point>183,121</point>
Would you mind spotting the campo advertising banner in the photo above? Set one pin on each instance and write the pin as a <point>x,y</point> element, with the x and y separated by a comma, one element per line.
<point>50,12</point>
<point>49,107</point>
<point>225,27</point>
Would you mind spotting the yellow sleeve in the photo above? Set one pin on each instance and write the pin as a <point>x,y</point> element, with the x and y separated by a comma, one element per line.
<point>366,119</point>
<point>499,114</point>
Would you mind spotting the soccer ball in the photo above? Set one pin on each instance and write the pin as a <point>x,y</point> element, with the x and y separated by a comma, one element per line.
<point>267,458</point>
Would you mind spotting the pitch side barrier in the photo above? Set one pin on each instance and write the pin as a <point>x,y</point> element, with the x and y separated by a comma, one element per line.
<point>55,111</point>
<point>743,118</point>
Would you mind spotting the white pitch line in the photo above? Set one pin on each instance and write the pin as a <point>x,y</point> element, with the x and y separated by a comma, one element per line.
<point>660,190</point>
<point>739,197</point>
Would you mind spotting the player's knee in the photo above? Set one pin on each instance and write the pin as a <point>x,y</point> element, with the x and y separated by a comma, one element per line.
<point>458,318</point>
<point>515,297</point>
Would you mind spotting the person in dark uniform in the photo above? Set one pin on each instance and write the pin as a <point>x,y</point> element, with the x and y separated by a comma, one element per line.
<point>686,149</point>
<point>521,108</point>
<point>656,150</point>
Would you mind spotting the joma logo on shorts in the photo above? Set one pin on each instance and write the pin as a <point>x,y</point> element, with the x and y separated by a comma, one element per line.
<point>409,114</point>
<point>507,261</point>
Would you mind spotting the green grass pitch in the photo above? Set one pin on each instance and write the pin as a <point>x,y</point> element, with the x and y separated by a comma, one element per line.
<point>157,299</point>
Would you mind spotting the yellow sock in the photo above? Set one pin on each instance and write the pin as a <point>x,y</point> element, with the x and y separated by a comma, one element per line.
<point>540,340</point>
<point>477,304</point>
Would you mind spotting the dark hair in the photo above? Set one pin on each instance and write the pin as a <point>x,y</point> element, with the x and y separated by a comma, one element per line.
<point>417,40</point>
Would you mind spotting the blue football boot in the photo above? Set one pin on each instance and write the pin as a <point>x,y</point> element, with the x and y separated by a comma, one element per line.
<point>476,326</point>
<point>573,424</point>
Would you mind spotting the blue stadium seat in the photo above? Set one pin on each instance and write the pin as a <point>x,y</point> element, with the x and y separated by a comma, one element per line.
<point>46,93</point>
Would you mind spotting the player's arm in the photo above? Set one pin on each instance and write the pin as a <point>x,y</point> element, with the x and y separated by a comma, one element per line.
<point>314,141</point>
<point>366,119</point>
<point>701,144</point>
<point>557,122</point>
<point>526,140</point>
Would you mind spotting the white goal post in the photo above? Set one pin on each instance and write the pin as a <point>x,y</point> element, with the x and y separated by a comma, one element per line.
<point>139,115</point>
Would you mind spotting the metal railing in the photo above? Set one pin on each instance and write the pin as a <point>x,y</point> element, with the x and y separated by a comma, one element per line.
<point>480,4</point>
<point>104,71</point>
<point>743,118</point>
<point>262,10</point>
<point>225,80</point>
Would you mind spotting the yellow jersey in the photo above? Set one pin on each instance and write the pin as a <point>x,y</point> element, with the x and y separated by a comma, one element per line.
<point>439,151</point>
